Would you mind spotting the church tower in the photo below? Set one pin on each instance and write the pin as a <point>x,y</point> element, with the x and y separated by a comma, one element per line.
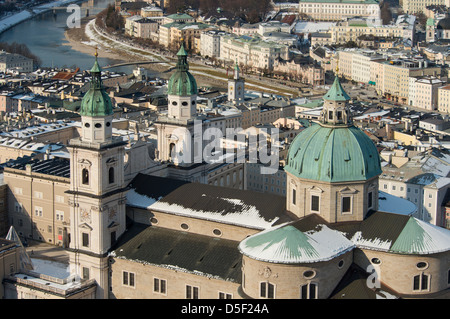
<point>332,166</point>
<point>176,134</point>
<point>97,196</point>
<point>182,90</point>
<point>236,87</point>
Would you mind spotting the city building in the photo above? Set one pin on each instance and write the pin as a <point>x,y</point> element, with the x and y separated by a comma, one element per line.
<point>423,92</point>
<point>14,62</point>
<point>416,6</point>
<point>336,10</point>
<point>252,52</point>
<point>444,99</point>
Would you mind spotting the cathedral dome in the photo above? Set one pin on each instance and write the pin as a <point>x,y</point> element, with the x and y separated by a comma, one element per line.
<point>96,102</point>
<point>182,82</point>
<point>333,151</point>
<point>333,154</point>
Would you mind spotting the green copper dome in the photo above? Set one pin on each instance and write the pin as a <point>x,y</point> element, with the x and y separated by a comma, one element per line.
<point>333,154</point>
<point>182,82</point>
<point>96,102</point>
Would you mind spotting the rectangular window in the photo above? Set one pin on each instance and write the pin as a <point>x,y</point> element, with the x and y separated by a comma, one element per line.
<point>159,285</point>
<point>59,215</point>
<point>38,195</point>
<point>315,203</point>
<point>346,204</point>
<point>38,211</point>
<point>128,278</point>
<point>85,238</point>
<point>308,291</point>
<point>191,292</point>
<point>85,273</point>
<point>370,200</point>
<point>294,196</point>
<point>223,295</point>
<point>267,290</point>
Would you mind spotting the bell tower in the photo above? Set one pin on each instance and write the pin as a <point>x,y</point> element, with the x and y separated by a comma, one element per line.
<point>236,87</point>
<point>97,196</point>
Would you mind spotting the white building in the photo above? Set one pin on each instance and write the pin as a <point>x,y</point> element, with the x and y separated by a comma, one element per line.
<point>423,92</point>
<point>210,43</point>
<point>423,180</point>
<point>444,99</point>
<point>252,51</point>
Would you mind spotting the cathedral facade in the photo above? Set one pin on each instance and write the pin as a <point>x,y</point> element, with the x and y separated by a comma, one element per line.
<point>161,237</point>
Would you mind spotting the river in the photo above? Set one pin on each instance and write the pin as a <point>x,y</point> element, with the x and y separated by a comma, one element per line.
<point>44,36</point>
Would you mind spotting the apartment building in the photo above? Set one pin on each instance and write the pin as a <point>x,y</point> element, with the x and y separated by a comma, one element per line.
<point>17,62</point>
<point>336,10</point>
<point>416,6</point>
<point>352,30</point>
<point>359,65</point>
<point>397,74</point>
<point>444,99</point>
<point>210,43</point>
<point>423,92</point>
<point>301,70</point>
<point>252,51</point>
<point>172,33</point>
<point>37,200</point>
<point>424,181</point>
<point>140,27</point>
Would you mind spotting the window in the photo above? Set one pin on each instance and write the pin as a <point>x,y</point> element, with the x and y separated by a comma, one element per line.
<point>315,203</point>
<point>308,291</point>
<point>346,204</point>
<point>59,215</point>
<point>370,200</point>
<point>18,207</point>
<point>294,196</point>
<point>223,295</point>
<point>267,290</point>
<point>421,282</point>
<point>159,285</point>
<point>191,292</point>
<point>128,279</point>
<point>85,176</point>
<point>85,273</point>
<point>38,211</point>
<point>111,175</point>
<point>85,240</point>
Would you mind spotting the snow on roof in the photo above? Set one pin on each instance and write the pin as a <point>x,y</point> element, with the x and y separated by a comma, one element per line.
<point>247,216</point>
<point>307,27</point>
<point>138,200</point>
<point>290,245</point>
<point>392,204</point>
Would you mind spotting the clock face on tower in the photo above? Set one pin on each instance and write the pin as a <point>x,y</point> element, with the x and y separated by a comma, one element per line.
<point>85,215</point>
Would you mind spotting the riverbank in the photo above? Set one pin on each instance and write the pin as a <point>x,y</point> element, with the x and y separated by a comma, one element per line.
<point>87,38</point>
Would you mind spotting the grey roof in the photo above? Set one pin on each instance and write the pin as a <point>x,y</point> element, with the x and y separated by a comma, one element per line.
<point>199,254</point>
<point>55,166</point>
<point>231,206</point>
